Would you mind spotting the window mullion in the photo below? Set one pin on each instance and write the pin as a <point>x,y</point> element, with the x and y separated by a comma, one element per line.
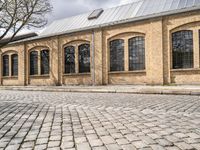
<point>76,60</point>
<point>10,66</point>
<point>196,48</point>
<point>39,63</point>
<point>126,54</point>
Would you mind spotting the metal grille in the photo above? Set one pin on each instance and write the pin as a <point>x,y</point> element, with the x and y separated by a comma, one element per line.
<point>136,53</point>
<point>14,59</point>
<point>84,58</point>
<point>117,55</point>
<point>182,46</point>
<point>33,63</point>
<point>5,65</point>
<point>44,62</point>
<point>69,59</point>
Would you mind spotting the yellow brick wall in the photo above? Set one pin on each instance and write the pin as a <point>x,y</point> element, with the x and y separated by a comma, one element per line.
<point>158,54</point>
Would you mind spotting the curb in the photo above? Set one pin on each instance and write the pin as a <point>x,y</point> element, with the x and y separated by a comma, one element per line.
<point>127,91</point>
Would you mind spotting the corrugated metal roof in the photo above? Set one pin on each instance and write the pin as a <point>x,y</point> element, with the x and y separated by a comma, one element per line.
<point>115,15</point>
<point>142,9</point>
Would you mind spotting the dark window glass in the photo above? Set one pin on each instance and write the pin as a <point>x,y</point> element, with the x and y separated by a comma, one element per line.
<point>84,58</point>
<point>14,59</point>
<point>182,47</point>
<point>44,62</point>
<point>136,53</point>
<point>117,55</point>
<point>69,59</point>
<point>5,65</point>
<point>33,63</point>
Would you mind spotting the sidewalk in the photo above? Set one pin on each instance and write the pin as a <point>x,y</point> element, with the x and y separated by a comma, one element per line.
<point>126,89</point>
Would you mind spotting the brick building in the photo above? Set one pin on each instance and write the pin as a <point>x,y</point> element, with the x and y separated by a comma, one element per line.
<point>145,42</point>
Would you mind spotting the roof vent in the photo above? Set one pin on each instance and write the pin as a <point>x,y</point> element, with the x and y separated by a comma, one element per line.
<point>95,14</point>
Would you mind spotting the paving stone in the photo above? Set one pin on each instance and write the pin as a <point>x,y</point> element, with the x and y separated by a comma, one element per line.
<point>148,140</point>
<point>128,147</point>
<point>164,142</point>
<point>184,146</point>
<point>53,143</point>
<point>172,138</point>
<point>12,147</point>
<point>139,144</point>
<point>42,141</point>
<point>113,147</point>
<point>96,143</point>
<point>194,135</point>
<point>157,147</point>
<point>132,137</point>
<point>99,148</point>
<point>28,145</point>
<point>180,135</point>
<point>108,140</point>
<point>40,147</point>
<point>83,146</point>
<point>122,141</point>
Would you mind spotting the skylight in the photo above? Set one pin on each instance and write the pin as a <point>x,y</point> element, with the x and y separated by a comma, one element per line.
<point>95,14</point>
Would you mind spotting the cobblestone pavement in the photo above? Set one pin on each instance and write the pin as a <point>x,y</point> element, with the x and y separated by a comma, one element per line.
<point>83,121</point>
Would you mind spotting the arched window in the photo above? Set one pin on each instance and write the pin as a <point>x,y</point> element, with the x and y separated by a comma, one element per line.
<point>44,62</point>
<point>69,53</point>
<point>136,47</point>
<point>6,65</point>
<point>182,49</point>
<point>117,55</point>
<point>33,63</point>
<point>14,63</point>
<point>84,58</point>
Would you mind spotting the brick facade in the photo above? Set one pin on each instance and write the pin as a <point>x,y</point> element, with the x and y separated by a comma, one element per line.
<point>158,55</point>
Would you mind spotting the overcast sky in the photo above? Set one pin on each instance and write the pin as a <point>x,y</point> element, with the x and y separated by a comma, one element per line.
<point>66,8</point>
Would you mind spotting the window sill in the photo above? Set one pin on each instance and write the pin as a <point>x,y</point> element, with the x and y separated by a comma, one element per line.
<point>77,74</point>
<point>39,76</point>
<point>127,72</point>
<point>10,77</point>
<point>185,70</point>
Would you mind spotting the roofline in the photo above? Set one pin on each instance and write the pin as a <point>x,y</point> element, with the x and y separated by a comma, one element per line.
<point>115,23</point>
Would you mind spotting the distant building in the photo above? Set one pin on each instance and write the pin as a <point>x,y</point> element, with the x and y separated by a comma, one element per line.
<point>145,42</point>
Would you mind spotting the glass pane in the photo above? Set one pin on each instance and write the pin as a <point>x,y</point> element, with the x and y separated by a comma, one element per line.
<point>45,62</point>
<point>136,53</point>
<point>69,59</point>
<point>15,65</point>
<point>182,45</point>
<point>34,63</point>
<point>117,55</point>
<point>5,65</point>
<point>84,58</point>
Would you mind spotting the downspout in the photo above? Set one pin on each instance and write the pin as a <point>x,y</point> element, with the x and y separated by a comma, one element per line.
<point>1,71</point>
<point>93,58</point>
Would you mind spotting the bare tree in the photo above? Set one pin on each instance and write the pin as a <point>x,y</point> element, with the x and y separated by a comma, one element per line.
<point>18,14</point>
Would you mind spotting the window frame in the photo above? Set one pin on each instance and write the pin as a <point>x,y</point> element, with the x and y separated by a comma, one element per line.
<point>139,65</point>
<point>13,74</point>
<point>7,73</point>
<point>123,42</point>
<point>42,67</point>
<point>191,52</point>
<point>30,72</point>
<point>87,68</point>
<point>64,58</point>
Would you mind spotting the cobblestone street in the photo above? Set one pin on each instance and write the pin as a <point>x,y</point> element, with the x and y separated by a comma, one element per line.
<point>84,121</point>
